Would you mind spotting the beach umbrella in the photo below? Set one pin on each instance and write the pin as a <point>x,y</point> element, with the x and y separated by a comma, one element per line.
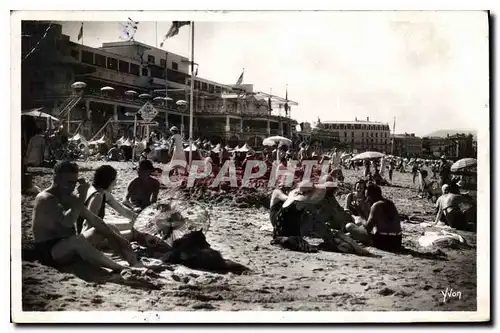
<point>193,147</point>
<point>181,102</point>
<point>145,96</point>
<point>273,140</point>
<point>126,143</point>
<point>120,140</point>
<point>78,85</point>
<point>168,98</point>
<point>38,114</point>
<point>76,137</point>
<point>217,148</point>
<point>131,92</point>
<point>245,149</point>
<point>463,164</point>
<point>228,148</point>
<point>107,88</point>
<point>368,155</point>
<point>159,98</point>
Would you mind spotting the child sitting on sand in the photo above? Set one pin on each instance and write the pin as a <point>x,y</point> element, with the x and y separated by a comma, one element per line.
<point>143,190</point>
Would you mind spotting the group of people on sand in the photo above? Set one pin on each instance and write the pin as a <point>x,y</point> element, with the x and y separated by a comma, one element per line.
<point>66,226</point>
<point>312,210</point>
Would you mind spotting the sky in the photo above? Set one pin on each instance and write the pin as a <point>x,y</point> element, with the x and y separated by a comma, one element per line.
<point>429,70</point>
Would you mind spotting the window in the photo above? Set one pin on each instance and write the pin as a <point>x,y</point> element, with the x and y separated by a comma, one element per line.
<point>352,140</point>
<point>371,134</point>
<point>357,126</point>
<point>362,134</point>
<point>87,57</point>
<point>157,72</point>
<point>371,140</point>
<point>151,59</point>
<point>376,135</point>
<point>163,63</point>
<point>134,69</point>
<point>145,71</point>
<point>352,134</point>
<point>341,126</point>
<point>345,134</point>
<point>100,60</point>
<point>196,84</point>
<point>175,66</point>
<point>112,63</point>
<point>123,66</point>
<point>75,54</point>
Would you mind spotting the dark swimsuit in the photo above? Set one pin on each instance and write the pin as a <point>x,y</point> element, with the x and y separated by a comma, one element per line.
<point>285,221</point>
<point>102,210</point>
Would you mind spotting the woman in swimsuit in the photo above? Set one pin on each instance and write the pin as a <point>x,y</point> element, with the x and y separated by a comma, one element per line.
<point>356,201</point>
<point>99,195</point>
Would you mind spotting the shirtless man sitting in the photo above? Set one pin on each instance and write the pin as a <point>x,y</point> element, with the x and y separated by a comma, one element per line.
<point>449,210</point>
<point>54,217</point>
<point>143,190</point>
<point>384,218</point>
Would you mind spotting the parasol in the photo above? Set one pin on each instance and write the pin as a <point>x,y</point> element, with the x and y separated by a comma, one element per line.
<point>181,102</point>
<point>107,88</point>
<point>144,96</point>
<point>78,85</point>
<point>38,113</point>
<point>463,164</point>
<point>368,155</point>
<point>273,140</point>
<point>131,92</point>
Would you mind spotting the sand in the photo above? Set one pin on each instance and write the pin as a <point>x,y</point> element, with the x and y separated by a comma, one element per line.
<point>279,279</point>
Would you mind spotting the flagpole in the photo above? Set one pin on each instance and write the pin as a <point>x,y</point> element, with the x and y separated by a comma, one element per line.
<point>166,91</point>
<point>156,33</point>
<point>191,96</point>
<point>393,134</point>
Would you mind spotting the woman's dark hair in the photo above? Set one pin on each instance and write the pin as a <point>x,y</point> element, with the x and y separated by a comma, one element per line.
<point>104,176</point>
<point>373,191</point>
<point>361,181</point>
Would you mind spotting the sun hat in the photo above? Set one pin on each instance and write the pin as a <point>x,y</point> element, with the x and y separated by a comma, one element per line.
<point>174,129</point>
<point>307,191</point>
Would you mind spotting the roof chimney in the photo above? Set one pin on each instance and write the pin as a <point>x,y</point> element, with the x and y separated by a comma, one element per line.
<point>367,118</point>
<point>356,119</point>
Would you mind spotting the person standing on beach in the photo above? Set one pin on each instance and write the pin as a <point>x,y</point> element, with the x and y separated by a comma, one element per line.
<point>55,213</point>
<point>178,155</point>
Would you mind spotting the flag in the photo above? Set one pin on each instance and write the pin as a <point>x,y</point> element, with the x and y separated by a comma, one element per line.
<point>286,104</point>
<point>128,29</point>
<point>80,34</point>
<point>174,30</point>
<point>240,79</point>
<point>196,72</point>
<point>269,104</point>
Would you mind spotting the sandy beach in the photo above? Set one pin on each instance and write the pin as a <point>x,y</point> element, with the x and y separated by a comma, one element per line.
<point>279,279</point>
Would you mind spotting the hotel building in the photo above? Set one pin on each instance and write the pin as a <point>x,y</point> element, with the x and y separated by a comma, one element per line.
<point>222,112</point>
